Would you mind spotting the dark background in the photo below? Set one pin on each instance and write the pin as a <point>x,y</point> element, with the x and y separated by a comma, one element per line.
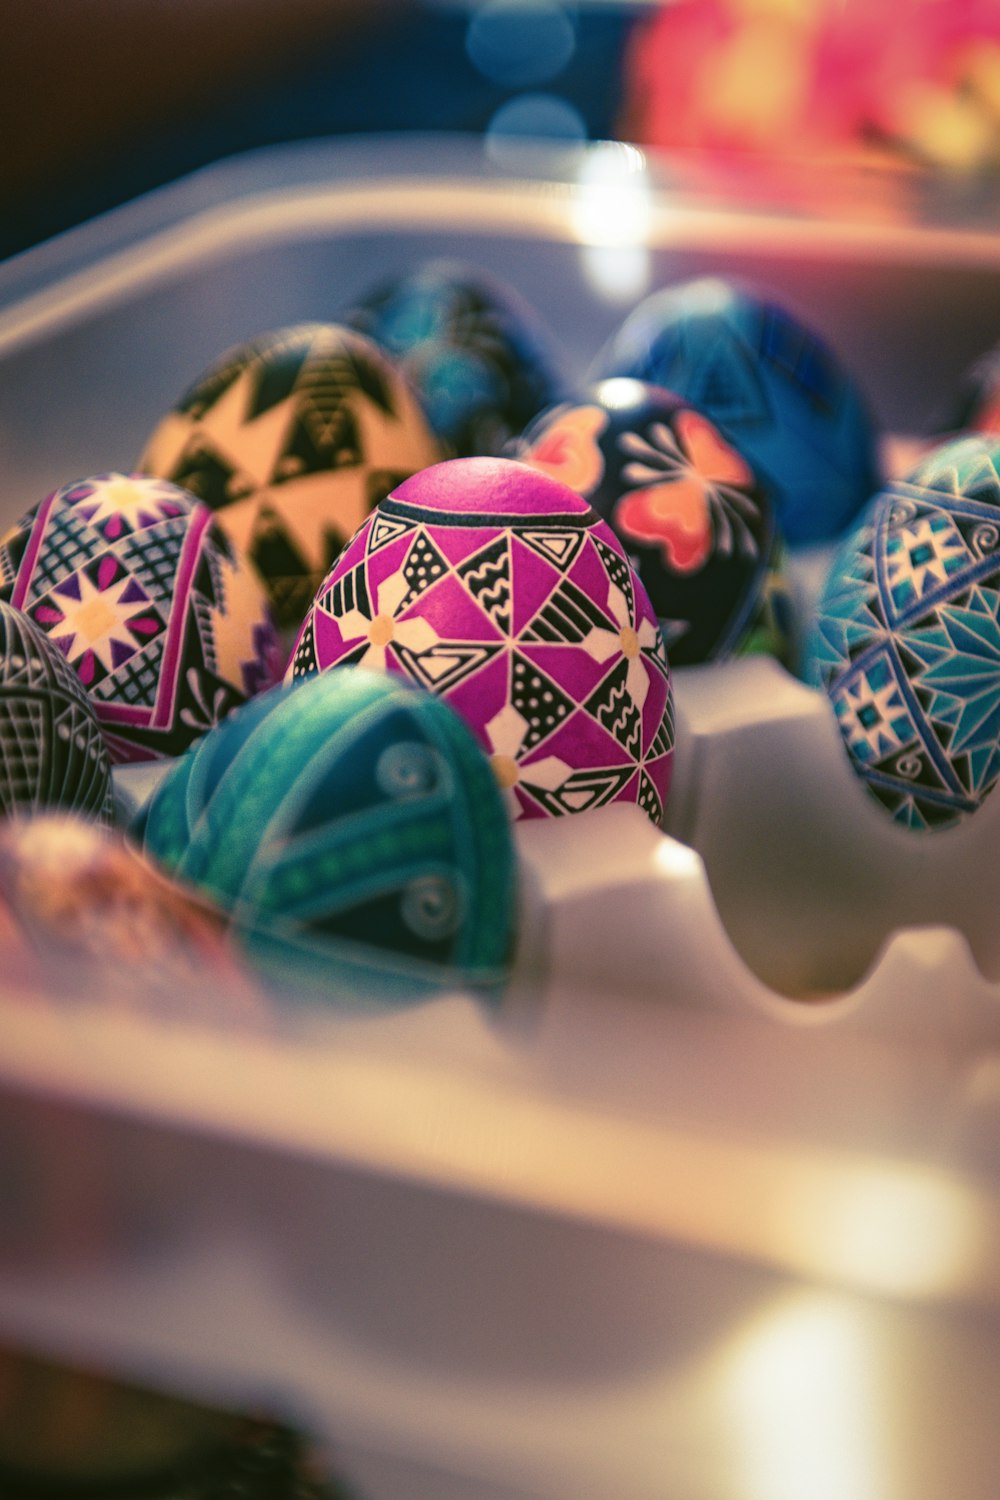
<point>104,100</point>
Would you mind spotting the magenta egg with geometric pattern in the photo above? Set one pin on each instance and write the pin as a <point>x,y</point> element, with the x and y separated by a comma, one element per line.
<point>500,589</point>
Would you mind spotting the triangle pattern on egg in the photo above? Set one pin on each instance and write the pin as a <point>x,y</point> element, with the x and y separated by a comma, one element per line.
<point>386,530</point>
<point>487,577</point>
<point>559,547</point>
<point>582,790</point>
<point>440,667</point>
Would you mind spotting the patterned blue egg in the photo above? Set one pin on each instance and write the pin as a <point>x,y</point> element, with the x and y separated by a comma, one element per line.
<point>774,388</point>
<point>52,749</point>
<point>907,638</point>
<point>473,352</point>
<point>352,828</point>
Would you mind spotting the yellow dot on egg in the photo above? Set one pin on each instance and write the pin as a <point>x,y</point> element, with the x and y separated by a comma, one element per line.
<point>94,619</point>
<point>505,770</point>
<point>629,641</point>
<point>382,630</point>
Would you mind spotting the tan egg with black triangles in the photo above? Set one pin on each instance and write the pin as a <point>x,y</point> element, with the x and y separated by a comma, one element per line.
<point>293,438</point>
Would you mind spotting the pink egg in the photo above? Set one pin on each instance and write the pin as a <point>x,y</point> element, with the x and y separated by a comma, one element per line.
<point>499,589</point>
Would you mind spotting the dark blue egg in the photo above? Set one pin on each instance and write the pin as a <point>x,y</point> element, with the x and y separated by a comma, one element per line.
<point>473,352</point>
<point>774,388</point>
<point>688,508</point>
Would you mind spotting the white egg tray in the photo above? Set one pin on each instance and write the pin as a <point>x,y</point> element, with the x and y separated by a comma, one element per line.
<point>710,1207</point>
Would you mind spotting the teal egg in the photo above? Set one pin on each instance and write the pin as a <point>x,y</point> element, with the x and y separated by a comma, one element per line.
<point>906,640</point>
<point>352,828</point>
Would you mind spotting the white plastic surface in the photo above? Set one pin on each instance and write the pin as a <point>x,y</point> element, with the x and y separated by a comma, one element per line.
<point>710,1207</point>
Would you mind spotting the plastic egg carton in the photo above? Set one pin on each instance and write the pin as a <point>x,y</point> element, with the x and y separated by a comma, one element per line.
<point>710,1207</point>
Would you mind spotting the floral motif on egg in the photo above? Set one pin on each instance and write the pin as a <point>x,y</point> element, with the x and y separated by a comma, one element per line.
<point>690,493</point>
<point>165,626</point>
<point>907,639</point>
<point>693,517</point>
<point>533,625</point>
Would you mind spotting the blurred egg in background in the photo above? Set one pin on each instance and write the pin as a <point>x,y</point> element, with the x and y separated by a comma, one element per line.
<point>979,398</point>
<point>473,349</point>
<point>775,389</point>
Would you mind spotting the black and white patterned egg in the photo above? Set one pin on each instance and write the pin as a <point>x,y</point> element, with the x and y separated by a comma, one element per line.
<point>52,751</point>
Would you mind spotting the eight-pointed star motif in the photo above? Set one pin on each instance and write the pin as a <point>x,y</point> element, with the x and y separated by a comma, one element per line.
<point>103,622</point>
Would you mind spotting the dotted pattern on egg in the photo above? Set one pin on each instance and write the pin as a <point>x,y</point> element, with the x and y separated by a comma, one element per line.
<point>528,619</point>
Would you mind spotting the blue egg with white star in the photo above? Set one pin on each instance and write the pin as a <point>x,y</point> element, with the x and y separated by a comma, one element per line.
<point>774,387</point>
<point>906,640</point>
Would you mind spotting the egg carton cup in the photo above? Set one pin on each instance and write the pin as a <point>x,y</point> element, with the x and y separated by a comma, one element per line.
<point>709,1205</point>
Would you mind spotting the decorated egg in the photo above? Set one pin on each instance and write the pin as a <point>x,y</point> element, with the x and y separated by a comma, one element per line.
<point>906,642</point>
<point>499,589</point>
<point>772,386</point>
<point>99,920</point>
<point>686,506</point>
<point>472,349</point>
<point>353,831</point>
<point>292,438</point>
<point>53,751</point>
<point>161,619</point>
